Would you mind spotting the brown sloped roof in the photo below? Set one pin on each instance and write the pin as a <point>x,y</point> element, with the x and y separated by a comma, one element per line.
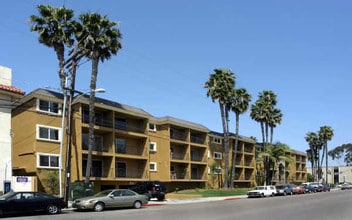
<point>11,89</point>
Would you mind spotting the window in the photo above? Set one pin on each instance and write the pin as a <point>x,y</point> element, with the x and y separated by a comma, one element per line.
<point>96,170</point>
<point>120,124</point>
<point>48,107</point>
<point>153,166</point>
<point>97,139</point>
<point>120,146</point>
<point>217,140</point>
<point>152,127</point>
<point>48,133</point>
<point>152,146</point>
<point>217,170</point>
<point>47,161</point>
<point>120,169</point>
<point>217,155</point>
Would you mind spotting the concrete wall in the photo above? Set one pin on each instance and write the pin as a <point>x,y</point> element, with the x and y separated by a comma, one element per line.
<point>5,128</point>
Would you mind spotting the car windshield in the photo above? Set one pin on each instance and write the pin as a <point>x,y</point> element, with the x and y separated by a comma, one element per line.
<point>7,195</point>
<point>103,193</point>
<point>259,187</point>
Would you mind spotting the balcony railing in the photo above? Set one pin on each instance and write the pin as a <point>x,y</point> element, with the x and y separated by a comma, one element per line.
<point>197,140</point>
<point>134,174</point>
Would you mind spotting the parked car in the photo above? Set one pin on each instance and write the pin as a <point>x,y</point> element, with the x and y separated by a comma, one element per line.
<point>297,189</point>
<point>152,189</point>
<point>309,188</point>
<point>29,202</point>
<point>284,190</point>
<point>325,188</point>
<point>262,191</point>
<point>113,198</point>
<point>345,186</point>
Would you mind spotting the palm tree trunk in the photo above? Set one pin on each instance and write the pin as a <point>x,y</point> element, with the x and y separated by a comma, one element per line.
<point>326,162</point>
<point>91,141</point>
<point>235,152</point>
<point>224,118</point>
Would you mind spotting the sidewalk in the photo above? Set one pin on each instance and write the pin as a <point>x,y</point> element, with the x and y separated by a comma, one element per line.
<point>172,201</point>
<point>194,200</point>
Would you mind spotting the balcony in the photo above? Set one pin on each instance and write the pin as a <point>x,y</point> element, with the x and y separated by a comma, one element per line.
<point>130,125</point>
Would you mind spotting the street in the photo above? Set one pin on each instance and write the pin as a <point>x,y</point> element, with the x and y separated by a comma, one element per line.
<point>322,206</point>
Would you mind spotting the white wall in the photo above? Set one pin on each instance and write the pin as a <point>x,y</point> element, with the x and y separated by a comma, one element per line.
<point>5,129</point>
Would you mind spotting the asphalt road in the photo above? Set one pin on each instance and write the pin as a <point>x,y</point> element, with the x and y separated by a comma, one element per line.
<point>335,205</point>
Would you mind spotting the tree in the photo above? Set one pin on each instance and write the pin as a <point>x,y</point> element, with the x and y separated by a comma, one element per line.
<point>315,146</point>
<point>220,87</point>
<point>55,29</point>
<point>325,134</point>
<point>275,118</point>
<point>344,151</point>
<point>264,112</point>
<point>98,40</point>
<point>239,104</point>
<point>273,155</point>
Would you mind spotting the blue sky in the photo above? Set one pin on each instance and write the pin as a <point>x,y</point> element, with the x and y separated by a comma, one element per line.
<point>299,49</point>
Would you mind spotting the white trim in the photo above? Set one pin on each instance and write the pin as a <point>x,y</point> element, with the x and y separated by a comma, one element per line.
<point>219,157</point>
<point>38,126</point>
<point>153,128</point>
<point>59,105</point>
<point>152,146</point>
<point>48,155</point>
<point>155,166</point>
<point>217,140</point>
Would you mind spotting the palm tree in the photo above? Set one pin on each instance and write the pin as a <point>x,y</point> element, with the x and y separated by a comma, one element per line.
<point>315,145</point>
<point>273,155</point>
<point>325,134</point>
<point>275,118</point>
<point>239,104</point>
<point>98,39</point>
<point>54,26</point>
<point>220,87</point>
<point>264,112</point>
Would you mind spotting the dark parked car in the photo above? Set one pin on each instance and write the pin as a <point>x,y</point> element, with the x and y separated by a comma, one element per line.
<point>309,188</point>
<point>324,188</point>
<point>284,190</point>
<point>152,189</point>
<point>29,202</point>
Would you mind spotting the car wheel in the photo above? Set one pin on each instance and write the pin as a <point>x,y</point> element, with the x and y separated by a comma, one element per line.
<point>263,195</point>
<point>1,213</point>
<point>53,209</point>
<point>285,193</point>
<point>98,207</point>
<point>161,198</point>
<point>137,204</point>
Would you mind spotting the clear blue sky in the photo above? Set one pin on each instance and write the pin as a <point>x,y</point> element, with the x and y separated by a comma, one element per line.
<point>299,49</point>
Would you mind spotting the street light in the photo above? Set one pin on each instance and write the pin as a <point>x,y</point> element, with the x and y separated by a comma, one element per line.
<point>69,135</point>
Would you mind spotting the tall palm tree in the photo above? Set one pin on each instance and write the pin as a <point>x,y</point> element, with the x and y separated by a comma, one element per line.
<point>239,104</point>
<point>220,87</point>
<point>325,134</point>
<point>99,39</point>
<point>55,29</point>
<point>315,146</point>
<point>275,118</point>
<point>262,111</point>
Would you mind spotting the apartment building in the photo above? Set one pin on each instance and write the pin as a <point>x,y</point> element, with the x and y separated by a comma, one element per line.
<point>131,145</point>
<point>294,172</point>
<point>8,95</point>
<point>245,160</point>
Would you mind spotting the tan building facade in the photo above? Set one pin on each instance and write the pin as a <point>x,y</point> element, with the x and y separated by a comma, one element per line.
<point>131,145</point>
